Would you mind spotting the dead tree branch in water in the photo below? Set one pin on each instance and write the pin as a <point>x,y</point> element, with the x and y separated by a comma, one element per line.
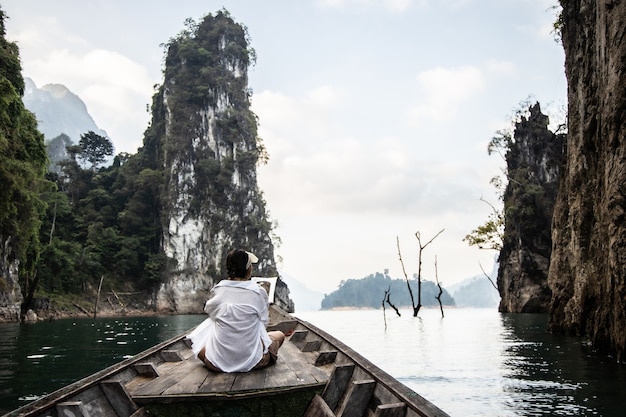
<point>388,301</point>
<point>417,308</point>
<point>438,297</point>
<point>406,277</point>
<point>384,311</point>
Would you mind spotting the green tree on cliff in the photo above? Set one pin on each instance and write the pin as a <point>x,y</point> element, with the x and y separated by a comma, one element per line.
<point>94,148</point>
<point>23,163</point>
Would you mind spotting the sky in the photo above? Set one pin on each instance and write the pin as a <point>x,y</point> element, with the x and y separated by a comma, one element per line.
<point>376,113</point>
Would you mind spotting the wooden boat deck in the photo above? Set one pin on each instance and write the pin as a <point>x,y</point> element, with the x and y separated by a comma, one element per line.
<point>188,377</point>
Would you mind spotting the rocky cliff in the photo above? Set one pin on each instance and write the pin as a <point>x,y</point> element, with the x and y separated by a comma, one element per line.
<point>588,268</point>
<point>204,136</point>
<point>533,160</point>
<point>10,294</point>
<point>22,167</point>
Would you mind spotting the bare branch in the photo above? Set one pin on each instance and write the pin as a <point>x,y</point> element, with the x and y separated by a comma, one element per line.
<point>438,297</point>
<point>488,277</point>
<point>406,277</point>
<point>416,308</point>
<point>388,301</point>
<point>417,234</point>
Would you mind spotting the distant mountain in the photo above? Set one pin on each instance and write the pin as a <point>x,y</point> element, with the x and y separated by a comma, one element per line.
<point>61,115</point>
<point>58,111</point>
<point>369,292</point>
<point>477,291</point>
<point>304,298</point>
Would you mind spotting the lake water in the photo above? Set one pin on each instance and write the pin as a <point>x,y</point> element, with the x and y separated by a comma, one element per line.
<point>473,362</point>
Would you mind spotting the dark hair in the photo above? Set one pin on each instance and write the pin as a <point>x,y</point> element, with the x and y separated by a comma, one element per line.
<point>236,262</point>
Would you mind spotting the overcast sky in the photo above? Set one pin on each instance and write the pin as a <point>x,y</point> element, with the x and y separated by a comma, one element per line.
<point>376,113</point>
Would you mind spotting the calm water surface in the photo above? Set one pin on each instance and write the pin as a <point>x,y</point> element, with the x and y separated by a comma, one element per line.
<point>37,359</point>
<point>478,362</point>
<point>474,362</point>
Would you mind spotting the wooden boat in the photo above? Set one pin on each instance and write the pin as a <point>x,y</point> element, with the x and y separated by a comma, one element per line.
<point>316,375</point>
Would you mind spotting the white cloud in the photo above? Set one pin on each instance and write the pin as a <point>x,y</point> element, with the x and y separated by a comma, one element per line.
<point>114,86</point>
<point>442,90</point>
<point>395,6</point>
<point>501,67</point>
<point>347,172</point>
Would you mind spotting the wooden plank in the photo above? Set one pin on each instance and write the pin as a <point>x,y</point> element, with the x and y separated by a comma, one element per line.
<point>71,408</point>
<point>298,336</point>
<point>280,374</point>
<point>142,412</point>
<point>390,410</point>
<point>312,346</point>
<point>357,399</point>
<point>187,354</point>
<point>167,379</point>
<point>337,385</point>
<point>171,355</point>
<point>217,382</point>
<point>134,384</point>
<point>190,383</point>
<point>146,369</point>
<point>118,397</point>
<point>326,358</point>
<point>165,368</point>
<point>318,408</point>
<point>286,326</point>
<point>250,381</point>
<point>301,364</point>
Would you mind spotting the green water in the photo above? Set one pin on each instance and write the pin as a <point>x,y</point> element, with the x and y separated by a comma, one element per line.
<point>474,362</point>
<point>37,359</point>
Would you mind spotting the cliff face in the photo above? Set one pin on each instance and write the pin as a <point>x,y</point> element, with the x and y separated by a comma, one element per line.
<point>533,160</point>
<point>208,150</point>
<point>22,169</point>
<point>10,294</point>
<point>588,268</point>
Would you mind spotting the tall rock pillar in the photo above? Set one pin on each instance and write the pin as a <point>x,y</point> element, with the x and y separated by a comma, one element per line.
<point>208,149</point>
<point>588,266</point>
<point>533,161</point>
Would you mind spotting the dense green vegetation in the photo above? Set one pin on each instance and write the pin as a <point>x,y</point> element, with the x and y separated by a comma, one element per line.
<point>100,222</point>
<point>23,162</point>
<point>71,223</point>
<point>370,291</point>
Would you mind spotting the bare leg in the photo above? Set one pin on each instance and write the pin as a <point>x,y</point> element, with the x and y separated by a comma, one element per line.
<point>207,363</point>
<point>270,357</point>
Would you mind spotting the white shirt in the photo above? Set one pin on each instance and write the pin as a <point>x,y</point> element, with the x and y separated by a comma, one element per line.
<point>234,335</point>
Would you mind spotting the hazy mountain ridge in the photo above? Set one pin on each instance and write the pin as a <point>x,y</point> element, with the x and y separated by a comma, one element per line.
<point>59,111</point>
<point>476,291</point>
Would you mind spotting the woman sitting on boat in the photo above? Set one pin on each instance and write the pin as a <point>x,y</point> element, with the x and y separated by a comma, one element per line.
<point>233,338</point>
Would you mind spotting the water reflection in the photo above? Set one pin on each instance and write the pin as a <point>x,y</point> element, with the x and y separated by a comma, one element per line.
<point>471,363</point>
<point>481,363</point>
<point>36,359</point>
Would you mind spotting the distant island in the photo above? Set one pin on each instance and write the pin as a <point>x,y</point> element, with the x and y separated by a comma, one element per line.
<point>369,292</point>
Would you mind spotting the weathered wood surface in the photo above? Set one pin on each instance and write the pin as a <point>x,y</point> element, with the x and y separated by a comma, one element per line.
<point>319,408</point>
<point>189,377</point>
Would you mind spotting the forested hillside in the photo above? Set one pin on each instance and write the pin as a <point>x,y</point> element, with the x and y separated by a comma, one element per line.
<point>188,195</point>
<point>22,167</point>
<point>369,292</point>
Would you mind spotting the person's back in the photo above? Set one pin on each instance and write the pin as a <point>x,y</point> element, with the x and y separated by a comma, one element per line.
<point>238,310</point>
<point>233,338</point>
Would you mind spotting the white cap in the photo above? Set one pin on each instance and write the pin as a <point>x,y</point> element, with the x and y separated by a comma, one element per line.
<point>252,259</point>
